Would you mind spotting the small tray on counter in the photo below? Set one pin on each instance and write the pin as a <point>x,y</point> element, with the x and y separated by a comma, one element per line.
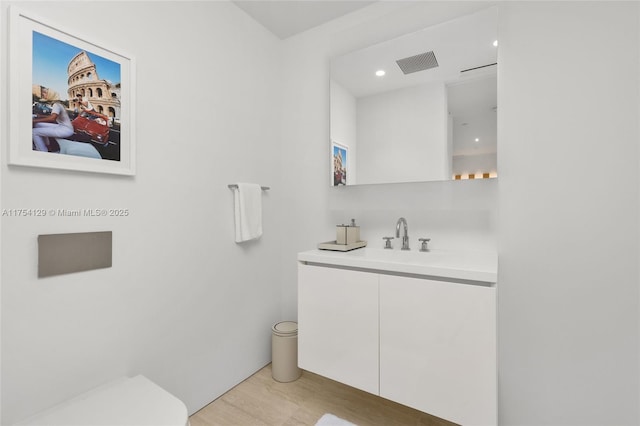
<point>332,245</point>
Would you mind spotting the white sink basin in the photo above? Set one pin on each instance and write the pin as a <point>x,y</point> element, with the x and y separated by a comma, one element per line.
<point>462,265</point>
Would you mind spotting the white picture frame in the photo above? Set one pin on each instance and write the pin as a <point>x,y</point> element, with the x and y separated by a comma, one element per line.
<point>32,40</point>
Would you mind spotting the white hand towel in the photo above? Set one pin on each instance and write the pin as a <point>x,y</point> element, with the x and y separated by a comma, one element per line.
<point>248,211</point>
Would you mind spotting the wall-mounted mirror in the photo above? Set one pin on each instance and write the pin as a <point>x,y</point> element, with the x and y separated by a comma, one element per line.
<point>421,107</point>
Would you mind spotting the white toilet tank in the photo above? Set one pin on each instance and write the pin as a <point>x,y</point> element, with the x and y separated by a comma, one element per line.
<point>135,401</point>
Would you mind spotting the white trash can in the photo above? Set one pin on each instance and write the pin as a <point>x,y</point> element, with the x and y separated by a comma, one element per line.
<point>284,352</point>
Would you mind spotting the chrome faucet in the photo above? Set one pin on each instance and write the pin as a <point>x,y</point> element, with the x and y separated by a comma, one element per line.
<point>405,239</point>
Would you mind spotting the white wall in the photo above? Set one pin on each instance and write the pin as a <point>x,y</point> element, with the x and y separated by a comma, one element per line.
<point>2,153</point>
<point>402,135</point>
<point>481,163</point>
<point>183,304</point>
<point>568,191</point>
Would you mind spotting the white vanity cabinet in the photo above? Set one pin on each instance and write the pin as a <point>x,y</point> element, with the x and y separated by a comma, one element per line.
<point>426,340</point>
<point>438,348</point>
<point>338,325</point>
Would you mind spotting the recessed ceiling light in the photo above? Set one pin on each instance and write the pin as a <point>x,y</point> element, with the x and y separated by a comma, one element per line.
<point>380,73</point>
<point>495,43</point>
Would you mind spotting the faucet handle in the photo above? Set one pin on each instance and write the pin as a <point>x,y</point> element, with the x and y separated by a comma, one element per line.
<point>387,243</point>
<point>424,243</point>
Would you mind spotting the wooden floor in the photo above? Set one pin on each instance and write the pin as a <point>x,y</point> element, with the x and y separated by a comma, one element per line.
<point>260,400</point>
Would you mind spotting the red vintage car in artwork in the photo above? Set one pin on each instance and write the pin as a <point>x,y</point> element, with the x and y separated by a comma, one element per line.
<point>92,124</point>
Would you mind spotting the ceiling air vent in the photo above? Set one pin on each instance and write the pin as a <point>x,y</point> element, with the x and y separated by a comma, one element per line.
<point>421,62</point>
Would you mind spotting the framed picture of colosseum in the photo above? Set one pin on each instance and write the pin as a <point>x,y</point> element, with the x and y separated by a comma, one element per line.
<point>71,99</point>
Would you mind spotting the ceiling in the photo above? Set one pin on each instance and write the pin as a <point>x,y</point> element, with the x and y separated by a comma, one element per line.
<point>288,18</point>
<point>460,44</point>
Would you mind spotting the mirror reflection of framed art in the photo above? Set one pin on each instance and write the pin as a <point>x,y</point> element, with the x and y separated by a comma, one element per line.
<point>339,164</point>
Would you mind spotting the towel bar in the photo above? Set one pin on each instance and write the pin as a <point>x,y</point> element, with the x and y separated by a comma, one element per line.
<point>233,185</point>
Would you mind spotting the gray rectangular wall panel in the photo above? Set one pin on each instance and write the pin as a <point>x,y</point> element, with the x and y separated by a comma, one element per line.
<point>66,253</point>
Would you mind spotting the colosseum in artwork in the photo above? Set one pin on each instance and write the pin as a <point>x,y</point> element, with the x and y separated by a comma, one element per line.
<point>84,80</point>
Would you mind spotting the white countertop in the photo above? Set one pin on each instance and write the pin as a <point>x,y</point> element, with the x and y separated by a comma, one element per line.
<point>462,265</point>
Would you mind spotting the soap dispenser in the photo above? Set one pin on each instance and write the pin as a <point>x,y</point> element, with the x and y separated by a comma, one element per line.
<point>348,234</point>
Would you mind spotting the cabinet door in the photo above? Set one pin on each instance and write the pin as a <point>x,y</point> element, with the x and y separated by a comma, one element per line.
<point>438,348</point>
<point>338,325</point>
